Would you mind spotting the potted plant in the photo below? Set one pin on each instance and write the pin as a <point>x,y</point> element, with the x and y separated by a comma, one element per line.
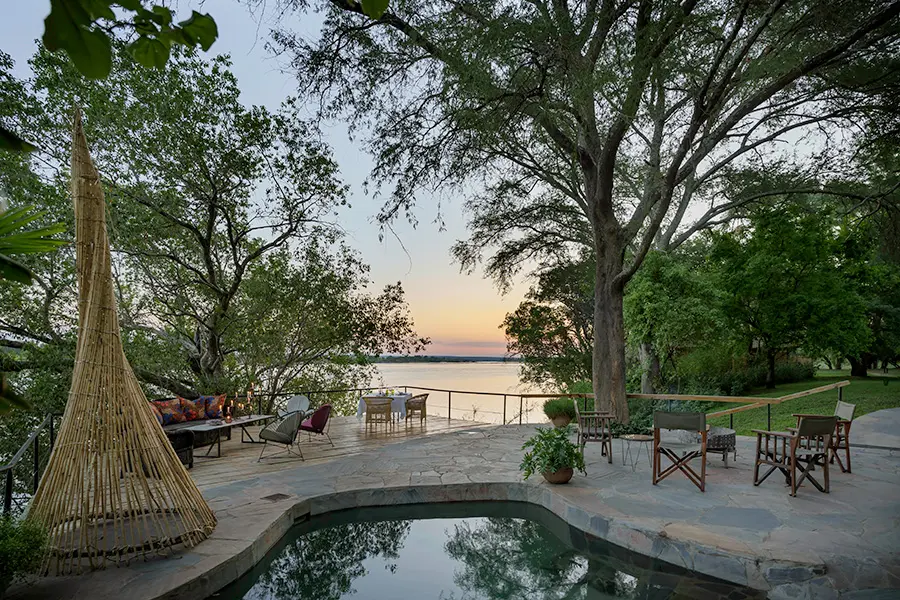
<point>560,411</point>
<point>552,454</point>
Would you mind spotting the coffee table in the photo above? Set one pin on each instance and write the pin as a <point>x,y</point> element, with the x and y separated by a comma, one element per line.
<point>220,425</point>
<point>642,441</point>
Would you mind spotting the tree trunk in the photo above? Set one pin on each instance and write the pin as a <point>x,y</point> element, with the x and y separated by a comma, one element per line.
<point>608,364</point>
<point>770,368</point>
<point>828,363</point>
<point>649,368</point>
<point>857,367</point>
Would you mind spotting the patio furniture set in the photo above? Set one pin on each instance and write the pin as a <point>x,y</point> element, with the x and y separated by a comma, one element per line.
<point>386,409</point>
<point>683,437</point>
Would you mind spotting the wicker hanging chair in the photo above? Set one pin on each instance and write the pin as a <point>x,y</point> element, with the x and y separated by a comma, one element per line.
<point>113,490</point>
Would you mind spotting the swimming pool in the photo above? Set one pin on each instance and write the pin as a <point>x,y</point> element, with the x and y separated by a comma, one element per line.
<point>461,551</point>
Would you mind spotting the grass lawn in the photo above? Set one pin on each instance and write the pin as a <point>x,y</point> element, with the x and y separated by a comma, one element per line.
<point>867,393</point>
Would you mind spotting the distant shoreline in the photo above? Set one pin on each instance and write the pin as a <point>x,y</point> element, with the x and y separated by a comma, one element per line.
<point>444,359</point>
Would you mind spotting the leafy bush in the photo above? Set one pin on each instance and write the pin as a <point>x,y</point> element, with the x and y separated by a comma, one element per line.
<point>21,549</point>
<point>559,407</point>
<point>551,450</point>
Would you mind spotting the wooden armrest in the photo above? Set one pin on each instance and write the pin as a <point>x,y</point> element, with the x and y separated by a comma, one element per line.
<point>783,434</point>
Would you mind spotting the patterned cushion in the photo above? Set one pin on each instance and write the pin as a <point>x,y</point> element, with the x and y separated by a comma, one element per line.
<point>155,410</point>
<point>170,410</point>
<point>194,409</point>
<point>214,406</point>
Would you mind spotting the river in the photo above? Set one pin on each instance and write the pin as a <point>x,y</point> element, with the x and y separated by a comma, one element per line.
<point>496,377</point>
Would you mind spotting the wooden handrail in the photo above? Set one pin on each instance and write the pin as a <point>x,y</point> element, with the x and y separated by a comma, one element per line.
<point>731,411</point>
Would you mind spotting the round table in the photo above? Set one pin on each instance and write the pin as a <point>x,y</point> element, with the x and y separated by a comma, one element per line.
<point>642,441</point>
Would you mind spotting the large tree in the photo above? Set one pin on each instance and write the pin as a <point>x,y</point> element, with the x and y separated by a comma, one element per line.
<point>611,122</point>
<point>228,263</point>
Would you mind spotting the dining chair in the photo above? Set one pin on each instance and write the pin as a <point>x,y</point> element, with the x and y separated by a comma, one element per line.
<point>416,406</point>
<point>378,410</point>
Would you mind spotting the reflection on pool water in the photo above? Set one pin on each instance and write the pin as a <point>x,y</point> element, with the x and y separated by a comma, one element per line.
<point>461,551</point>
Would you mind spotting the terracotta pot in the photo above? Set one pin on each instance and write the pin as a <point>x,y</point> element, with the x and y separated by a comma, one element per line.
<point>561,420</point>
<point>561,476</point>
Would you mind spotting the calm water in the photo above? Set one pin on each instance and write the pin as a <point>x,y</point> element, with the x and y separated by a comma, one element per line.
<point>502,378</point>
<point>508,551</point>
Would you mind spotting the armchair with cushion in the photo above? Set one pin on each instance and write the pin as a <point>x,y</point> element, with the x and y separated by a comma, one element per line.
<point>318,423</point>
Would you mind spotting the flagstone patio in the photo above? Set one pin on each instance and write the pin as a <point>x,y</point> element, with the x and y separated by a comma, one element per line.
<point>844,544</point>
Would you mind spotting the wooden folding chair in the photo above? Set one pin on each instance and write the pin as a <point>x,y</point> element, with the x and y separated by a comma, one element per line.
<point>594,426</point>
<point>680,451</point>
<point>841,439</point>
<point>808,444</point>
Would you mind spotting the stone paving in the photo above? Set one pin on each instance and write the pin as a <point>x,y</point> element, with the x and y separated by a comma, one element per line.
<point>844,544</point>
<point>880,429</point>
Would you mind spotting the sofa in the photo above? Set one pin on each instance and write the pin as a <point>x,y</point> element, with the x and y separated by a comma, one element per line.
<point>178,414</point>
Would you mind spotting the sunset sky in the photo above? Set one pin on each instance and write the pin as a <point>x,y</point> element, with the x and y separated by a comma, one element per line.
<point>460,313</point>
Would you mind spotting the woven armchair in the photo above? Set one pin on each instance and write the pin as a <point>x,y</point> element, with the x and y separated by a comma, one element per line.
<point>378,410</point>
<point>416,406</point>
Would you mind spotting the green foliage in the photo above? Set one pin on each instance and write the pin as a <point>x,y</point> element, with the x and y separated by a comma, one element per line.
<point>22,546</point>
<point>80,28</point>
<point>552,329</point>
<point>550,450</point>
<point>230,268</point>
<point>782,285</point>
<point>17,238</point>
<point>559,407</point>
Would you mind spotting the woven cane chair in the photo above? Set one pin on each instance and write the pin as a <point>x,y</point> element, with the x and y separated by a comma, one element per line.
<point>416,406</point>
<point>808,444</point>
<point>841,438</point>
<point>378,410</point>
<point>680,448</point>
<point>594,426</point>
<point>282,432</point>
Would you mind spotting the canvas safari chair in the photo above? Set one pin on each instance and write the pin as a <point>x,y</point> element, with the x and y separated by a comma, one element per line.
<point>680,437</point>
<point>841,438</point>
<point>594,426</point>
<point>788,451</point>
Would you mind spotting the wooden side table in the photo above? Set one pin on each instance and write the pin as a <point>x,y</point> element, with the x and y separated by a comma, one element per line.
<point>642,441</point>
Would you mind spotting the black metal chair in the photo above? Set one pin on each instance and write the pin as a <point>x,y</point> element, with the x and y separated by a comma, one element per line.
<point>681,450</point>
<point>282,432</point>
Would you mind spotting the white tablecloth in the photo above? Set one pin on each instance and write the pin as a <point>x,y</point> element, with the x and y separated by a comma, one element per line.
<point>398,404</point>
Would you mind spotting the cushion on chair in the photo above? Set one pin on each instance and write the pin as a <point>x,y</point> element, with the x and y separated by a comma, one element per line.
<point>214,406</point>
<point>319,419</point>
<point>155,410</point>
<point>193,409</point>
<point>170,410</point>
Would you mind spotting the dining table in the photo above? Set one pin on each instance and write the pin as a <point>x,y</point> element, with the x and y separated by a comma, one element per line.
<point>398,404</point>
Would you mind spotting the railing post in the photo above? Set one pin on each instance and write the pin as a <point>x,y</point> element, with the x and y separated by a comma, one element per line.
<point>520,409</point>
<point>449,404</point>
<point>7,495</point>
<point>768,417</point>
<point>52,437</point>
<point>840,394</point>
<point>504,409</point>
<point>731,421</point>
<point>37,463</point>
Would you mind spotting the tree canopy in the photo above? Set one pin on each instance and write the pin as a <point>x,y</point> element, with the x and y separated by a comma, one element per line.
<point>216,210</point>
<point>618,124</point>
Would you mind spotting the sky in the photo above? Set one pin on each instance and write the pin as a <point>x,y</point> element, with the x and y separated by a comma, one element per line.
<point>460,313</point>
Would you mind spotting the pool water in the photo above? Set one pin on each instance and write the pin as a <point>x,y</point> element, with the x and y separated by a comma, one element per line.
<point>461,551</point>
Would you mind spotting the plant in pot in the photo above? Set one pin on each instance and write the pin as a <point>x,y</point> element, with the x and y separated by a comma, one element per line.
<point>560,410</point>
<point>551,453</point>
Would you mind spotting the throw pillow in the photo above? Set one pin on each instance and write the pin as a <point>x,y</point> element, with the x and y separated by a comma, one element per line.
<point>155,410</point>
<point>214,406</point>
<point>194,409</point>
<point>170,410</point>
